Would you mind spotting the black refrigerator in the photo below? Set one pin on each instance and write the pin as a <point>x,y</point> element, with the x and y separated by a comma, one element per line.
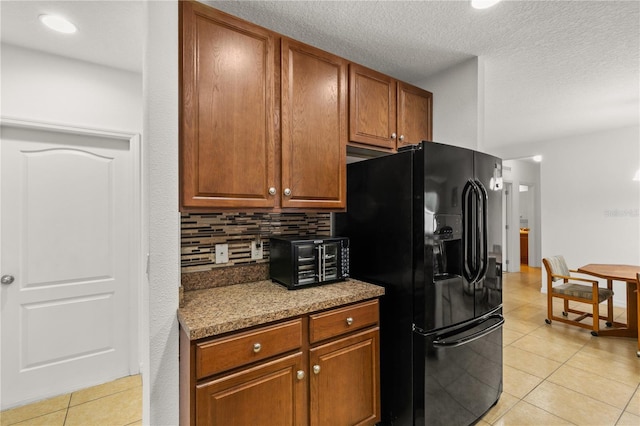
<point>426,223</point>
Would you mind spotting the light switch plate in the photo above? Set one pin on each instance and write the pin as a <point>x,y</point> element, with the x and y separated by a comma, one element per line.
<point>222,253</point>
<point>256,250</point>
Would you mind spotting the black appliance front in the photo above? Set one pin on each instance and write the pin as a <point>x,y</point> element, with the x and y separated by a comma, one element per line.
<point>379,224</point>
<point>303,261</point>
<point>416,224</point>
<point>458,372</point>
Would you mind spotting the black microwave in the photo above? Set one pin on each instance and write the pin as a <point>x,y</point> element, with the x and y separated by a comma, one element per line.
<point>304,261</point>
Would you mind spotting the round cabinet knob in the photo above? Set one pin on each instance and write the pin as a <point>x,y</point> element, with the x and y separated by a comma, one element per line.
<point>401,137</point>
<point>287,192</point>
<point>7,279</point>
<point>272,190</point>
<point>349,321</point>
<point>393,135</point>
<point>300,374</point>
<point>316,369</point>
<point>257,347</point>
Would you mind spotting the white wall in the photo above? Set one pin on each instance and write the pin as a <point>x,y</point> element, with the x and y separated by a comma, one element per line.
<point>47,88</point>
<point>521,172</point>
<point>161,130</point>
<point>456,105</point>
<point>590,206</point>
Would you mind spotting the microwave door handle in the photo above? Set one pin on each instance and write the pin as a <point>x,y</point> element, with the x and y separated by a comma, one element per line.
<point>321,270</point>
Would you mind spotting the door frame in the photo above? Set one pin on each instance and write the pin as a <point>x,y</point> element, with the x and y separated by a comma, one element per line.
<point>136,272</point>
<point>512,251</point>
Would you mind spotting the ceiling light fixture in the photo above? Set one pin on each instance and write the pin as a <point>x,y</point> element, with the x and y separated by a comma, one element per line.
<point>637,176</point>
<point>537,158</point>
<point>483,4</point>
<point>58,23</point>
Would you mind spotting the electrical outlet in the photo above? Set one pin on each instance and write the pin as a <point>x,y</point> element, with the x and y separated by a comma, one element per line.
<point>256,250</point>
<point>222,253</point>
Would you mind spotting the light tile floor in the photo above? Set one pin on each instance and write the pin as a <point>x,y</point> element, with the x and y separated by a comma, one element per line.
<point>559,374</point>
<point>553,375</point>
<point>116,403</point>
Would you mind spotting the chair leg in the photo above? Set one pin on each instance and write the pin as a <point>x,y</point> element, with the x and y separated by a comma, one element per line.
<point>610,305</point>
<point>566,308</point>
<point>596,317</point>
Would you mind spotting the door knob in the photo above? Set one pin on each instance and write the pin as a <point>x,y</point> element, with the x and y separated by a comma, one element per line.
<point>393,135</point>
<point>7,279</point>
<point>272,190</point>
<point>287,192</point>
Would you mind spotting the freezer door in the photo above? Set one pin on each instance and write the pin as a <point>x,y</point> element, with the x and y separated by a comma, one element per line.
<point>458,372</point>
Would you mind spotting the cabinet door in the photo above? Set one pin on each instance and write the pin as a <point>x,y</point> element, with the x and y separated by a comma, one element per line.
<point>372,107</point>
<point>266,395</point>
<point>344,381</point>
<point>227,110</point>
<point>415,112</point>
<point>314,127</point>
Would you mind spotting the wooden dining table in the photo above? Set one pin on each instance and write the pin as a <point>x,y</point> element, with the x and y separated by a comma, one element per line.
<point>628,274</point>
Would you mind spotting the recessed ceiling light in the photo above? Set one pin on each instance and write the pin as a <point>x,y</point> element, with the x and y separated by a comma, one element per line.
<point>58,23</point>
<point>483,4</point>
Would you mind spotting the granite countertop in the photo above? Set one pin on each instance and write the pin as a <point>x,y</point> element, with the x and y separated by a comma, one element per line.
<point>214,311</point>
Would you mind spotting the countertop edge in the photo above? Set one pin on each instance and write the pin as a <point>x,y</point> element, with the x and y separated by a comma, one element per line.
<point>215,311</point>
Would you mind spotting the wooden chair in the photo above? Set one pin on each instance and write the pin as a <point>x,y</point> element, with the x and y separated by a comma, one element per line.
<point>571,289</point>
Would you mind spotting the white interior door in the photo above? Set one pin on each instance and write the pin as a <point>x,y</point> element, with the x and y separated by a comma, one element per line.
<point>66,227</point>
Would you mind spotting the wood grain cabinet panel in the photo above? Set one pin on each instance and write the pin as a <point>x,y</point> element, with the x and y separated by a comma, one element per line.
<point>336,322</point>
<point>263,119</point>
<point>372,107</point>
<point>226,112</point>
<point>220,355</point>
<point>332,379</point>
<point>415,115</point>
<point>314,127</point>
<point>266,395</point>
<point>385,113</point>
<point>345,381</point>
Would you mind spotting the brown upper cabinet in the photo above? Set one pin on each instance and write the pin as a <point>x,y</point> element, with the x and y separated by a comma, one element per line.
<point>314,127</point>
<point>239,148</point>
<point>386,113</point>
<point>227,104</point>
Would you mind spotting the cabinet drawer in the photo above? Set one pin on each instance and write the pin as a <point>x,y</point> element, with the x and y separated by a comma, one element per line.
<point>243,348</point>
<point>344,320</point>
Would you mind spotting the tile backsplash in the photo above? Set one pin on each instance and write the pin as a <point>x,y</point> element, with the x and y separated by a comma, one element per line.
<point>200,232</point>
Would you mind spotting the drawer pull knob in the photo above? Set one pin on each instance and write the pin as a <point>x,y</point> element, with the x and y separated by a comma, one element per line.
<point>349,321</point>
<point>257,347</point>
<point>300,374</point>
<point>316,369</point>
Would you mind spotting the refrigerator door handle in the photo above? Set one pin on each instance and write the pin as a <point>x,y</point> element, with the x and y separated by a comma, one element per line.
<point>468,238</point>
<point>442,343</point>
<point>483,197</point>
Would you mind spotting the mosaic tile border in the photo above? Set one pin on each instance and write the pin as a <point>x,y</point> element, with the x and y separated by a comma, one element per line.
<point>200,232</point>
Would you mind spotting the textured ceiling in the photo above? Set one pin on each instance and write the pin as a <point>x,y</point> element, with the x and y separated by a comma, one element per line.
<point>551,68</point>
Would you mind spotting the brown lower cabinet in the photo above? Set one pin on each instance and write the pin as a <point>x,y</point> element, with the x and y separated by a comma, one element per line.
<point>257,377</point>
